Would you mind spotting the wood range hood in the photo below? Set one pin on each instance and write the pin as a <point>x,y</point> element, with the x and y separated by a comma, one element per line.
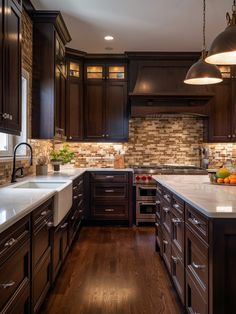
<point>159,87</point>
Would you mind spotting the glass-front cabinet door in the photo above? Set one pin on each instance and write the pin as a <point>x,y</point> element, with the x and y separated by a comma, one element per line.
<point>116,72</point>
<point>74,70</point>
<point>95,72</point>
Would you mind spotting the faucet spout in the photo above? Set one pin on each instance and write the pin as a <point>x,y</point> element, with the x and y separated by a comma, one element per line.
<point>14,170</point>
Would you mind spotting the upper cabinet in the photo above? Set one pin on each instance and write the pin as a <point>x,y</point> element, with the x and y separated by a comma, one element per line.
<point>49,75</point>
<point>10,66</point>
<point>105,101</point>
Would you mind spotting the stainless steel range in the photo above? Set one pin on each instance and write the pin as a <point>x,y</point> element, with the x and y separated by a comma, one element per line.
<point>146,186</point>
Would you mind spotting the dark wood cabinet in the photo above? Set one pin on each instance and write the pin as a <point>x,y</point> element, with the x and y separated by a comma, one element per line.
<point>10,102</point>
<point>111,196</point>
<point>49,75</point>
<point>106,102</point>
<point>74,99</point>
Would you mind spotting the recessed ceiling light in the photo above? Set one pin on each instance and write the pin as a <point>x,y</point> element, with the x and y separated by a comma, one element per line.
<point>108,37</point>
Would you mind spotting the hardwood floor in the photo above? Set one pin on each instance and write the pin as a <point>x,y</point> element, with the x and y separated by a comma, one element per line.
<point>113,270</point>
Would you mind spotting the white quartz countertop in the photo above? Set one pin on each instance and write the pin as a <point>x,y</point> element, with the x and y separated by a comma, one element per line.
<point>17,203</point>
<point>211,200</point>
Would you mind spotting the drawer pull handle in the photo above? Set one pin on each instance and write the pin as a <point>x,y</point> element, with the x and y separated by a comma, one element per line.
<point>10,242</point>
<point>157,224</point>
<point>109,210</point>
<point>64,225</point>
<point>176,221</point>
<point>198,266</point>
<point>196,222</point>
<point>75,197</point>
<point>158,202</point>
<point>147,204</point>
<point>175,259</point>
<point>109,191</point>
<point>166,209</point>
<point>166,197</point>
<point>44,213</point>
<point>7,285</point>
<point>110,177</point>
<point>49,224</point>
<point>80,211</point>
<point>159,191</point>
<point>75,187</point>
<point>176,206</point>
<point>165,242</point>
<point>80,195</point>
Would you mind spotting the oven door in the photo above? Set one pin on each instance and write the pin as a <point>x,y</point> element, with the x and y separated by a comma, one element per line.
<point>145,211</point>
<point>145,192</point>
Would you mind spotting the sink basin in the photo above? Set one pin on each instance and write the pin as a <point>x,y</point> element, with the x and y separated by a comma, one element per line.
<point>62,198</point>
<point>39,185</point>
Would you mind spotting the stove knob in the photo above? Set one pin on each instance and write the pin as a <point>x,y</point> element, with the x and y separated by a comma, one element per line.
<point>144,178</point>
<point>137,178</point>
<point>149,178</point>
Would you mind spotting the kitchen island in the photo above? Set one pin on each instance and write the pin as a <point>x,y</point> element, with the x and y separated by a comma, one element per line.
<point>196,237</point>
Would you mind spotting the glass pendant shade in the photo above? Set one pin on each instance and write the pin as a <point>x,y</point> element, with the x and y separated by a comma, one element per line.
<point>203,73</point>
<point>223,48</point>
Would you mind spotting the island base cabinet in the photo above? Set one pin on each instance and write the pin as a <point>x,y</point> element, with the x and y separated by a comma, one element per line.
<point>194,302</point>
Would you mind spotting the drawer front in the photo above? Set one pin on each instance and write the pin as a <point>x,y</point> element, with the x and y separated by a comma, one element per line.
<point>42,213</point>
<point>197,262</point>
<point>159,190</point>
<point>109,211</point>
<point>178,205</point>
<point>78,186</point>
<point>194,302</point>
<point>109,177</point>
<point>14,272</point>
<point>109,191</point>
<point>167,195</point>
<point>41,282</point>
<point>166,249</point>
<point>166,216</point>
<point>197,222</point>
<point>41,241</point>
<point>177,233</point>
<point>178,273</point>
<point>158,235</point>
<point>14,237</point>
<point>158,208</point>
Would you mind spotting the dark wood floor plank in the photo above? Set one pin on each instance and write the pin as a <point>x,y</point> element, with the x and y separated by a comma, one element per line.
<point>113,270</point>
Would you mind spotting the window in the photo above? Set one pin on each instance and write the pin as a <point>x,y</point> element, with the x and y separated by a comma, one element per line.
<point>7,142</point>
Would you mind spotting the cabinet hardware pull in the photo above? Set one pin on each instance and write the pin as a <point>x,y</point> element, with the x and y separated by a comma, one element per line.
<point>176,206</point>
<point>198,266</point>
<point>166,197</point>
<point>10,117</point>
<point>49,224</point>
<point>166,209</point>
<point>110,177</point>
<point>75,197</point>
<point>7,285</point>
<point>70,137</point>
<point>103,135</point>
<point>159,191</point>
<point>107,135</point>
<point>109,210</point>
<point>175,259</point>
<point>229,136</point>
<point>233,135</point>
<point>44,213</point>
<point>157,224</point>
<point>80,211</point>
<point>80,183</point>
<point>109,191</point>
<point>10,242</point>
<point>75,187</point>
<point>64,225</point>
<point>80,195</point>
<point>176,221</point>
<point>165,242</point>
<point>158,202</point>
<point>5,115</point>
<point>147,204</point>
<point>196,222</point>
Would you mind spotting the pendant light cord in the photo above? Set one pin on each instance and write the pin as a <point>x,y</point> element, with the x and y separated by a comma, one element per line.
<point>204,26</point>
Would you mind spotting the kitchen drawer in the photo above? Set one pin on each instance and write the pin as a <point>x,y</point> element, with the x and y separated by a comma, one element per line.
<point>178,204</point>
<point>14,237</point>
<point>194,302</point>
<point>109,177</point>
<point>158,208</point>
<point>166,249</point>
<point>41,213</point>
<point>14,273</point>
<point>177,232</point>
<point>109,191</point>
<point>109,210</point>
<point>166,216</point>
<point>41,281</point>
<point>158,235</point>
<point>41,240</point>
<point>167,195</point>
<point>197,262</point>
<point>197,222</point>
<point>178,273</point>
<point>159,190</point>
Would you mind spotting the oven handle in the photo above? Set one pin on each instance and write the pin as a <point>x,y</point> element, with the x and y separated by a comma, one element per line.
<point>152,204</point>
<point>147,187</point>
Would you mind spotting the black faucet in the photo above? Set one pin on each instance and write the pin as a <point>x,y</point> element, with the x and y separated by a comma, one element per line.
<point>14,171</point>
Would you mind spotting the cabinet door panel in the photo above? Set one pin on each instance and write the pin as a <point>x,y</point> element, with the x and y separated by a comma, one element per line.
<point>166,249</point>
<point>12,87</point>
<point>116,111</point>
<point>74,110</point>
<point>94,111</point>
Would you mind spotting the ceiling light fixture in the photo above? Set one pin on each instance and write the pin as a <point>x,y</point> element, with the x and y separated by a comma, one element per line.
<point>201,72</point>
<point>223,48</point>
<point>108,37</point>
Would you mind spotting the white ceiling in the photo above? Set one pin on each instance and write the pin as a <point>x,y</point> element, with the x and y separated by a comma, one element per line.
<point>138,25</point>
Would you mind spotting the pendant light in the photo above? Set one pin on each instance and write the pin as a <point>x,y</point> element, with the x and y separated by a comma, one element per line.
<point>201,72</point>
<point>223,48</point>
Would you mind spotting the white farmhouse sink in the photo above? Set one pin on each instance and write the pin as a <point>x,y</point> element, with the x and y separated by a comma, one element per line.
<point>62,198</point>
